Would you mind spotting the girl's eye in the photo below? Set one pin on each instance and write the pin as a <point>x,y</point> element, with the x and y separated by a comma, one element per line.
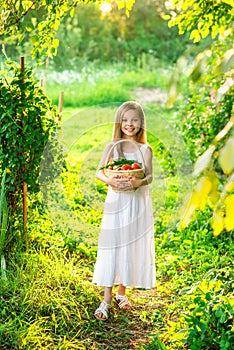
<point>130,121</point>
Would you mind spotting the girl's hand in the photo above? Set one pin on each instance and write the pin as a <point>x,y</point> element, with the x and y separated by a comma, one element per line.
<point>135,182</point>
<point>122,183</point>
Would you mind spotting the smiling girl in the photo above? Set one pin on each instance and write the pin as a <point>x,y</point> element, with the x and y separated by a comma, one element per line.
<point>126,252</point>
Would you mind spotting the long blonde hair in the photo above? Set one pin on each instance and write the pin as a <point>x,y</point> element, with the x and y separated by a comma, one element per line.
<point>126,106</point>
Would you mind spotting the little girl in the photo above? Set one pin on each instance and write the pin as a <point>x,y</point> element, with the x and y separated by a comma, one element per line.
<point>126,252</point>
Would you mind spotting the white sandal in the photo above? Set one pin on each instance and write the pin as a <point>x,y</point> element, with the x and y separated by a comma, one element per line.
<point>123,301</point>
<point>103,309</point>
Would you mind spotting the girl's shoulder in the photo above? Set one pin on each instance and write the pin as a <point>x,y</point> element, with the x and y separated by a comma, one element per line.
<point>109,145</point>
<point>145,146</point>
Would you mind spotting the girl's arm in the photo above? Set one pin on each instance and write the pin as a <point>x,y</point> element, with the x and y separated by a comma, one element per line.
<point>100,174</point>
<point>148,156</point>
<point>116,181</point>
<point>126,183</point>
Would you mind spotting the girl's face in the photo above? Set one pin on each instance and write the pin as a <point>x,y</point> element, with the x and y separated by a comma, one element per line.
<point>131,123</point>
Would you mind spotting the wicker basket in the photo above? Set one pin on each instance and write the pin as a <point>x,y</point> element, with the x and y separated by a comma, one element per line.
<point>138,173</point>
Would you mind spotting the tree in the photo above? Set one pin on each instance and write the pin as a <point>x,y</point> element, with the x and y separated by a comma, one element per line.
<point>209,105</point>
<point>107,36</point>
<point>20,18</point>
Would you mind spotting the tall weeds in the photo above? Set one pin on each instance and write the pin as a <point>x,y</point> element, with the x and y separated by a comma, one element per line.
<point>3,226</point>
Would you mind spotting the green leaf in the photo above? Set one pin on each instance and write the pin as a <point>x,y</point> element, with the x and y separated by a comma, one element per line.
<point>195,36</point>
<point>220,313</point>
<point>20,37</point>
<point>229,2</point>
<point>226,157</point>
<point>29,27</point>
<point>227,62</point>
<point>203,161</point>
<point>34,39</point>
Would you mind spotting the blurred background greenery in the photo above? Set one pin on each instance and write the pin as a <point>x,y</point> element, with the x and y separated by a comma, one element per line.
<point>104,35</point>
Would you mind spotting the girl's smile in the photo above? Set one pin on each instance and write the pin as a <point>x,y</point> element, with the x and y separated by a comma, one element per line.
<point>131,123</point>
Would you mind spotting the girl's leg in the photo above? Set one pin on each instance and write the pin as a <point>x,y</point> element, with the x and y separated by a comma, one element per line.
<point>122,299</point>
<point>121,290</point>
<point>108,294</point>
<point>107,299</point>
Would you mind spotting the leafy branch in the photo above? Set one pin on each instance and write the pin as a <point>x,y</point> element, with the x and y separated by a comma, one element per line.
<point>209,108</point>
<point>207,187</point>
<point>18,19</point>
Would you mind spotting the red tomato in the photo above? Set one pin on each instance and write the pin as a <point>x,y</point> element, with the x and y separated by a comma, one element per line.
<point>136,166</point>
<point>110,167</point>
<point>126,167</point>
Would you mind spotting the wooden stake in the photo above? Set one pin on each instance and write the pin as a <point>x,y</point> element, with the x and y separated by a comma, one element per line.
<point>25,187</point>
<point>25,206</point>
<point>60,105</point>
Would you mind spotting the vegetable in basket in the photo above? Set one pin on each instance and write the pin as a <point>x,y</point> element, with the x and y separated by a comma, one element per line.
<point>122,164</point>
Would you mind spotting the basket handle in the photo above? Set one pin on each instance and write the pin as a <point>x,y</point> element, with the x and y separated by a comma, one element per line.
<point>132,142</point>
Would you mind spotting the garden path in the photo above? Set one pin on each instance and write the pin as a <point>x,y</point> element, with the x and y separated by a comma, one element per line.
<point>147,304</point>
<point>150,96</point>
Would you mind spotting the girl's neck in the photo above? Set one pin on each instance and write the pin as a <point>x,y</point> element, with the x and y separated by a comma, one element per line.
<point>126,146</point>
<point>132,138</point>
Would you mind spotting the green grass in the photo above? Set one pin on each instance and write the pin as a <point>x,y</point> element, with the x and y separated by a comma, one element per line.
<point>48,299</point>
<point>99,85</point>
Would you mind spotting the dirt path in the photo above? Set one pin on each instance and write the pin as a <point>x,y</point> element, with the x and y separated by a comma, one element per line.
<point>130,330</point>
<point>150,95</point>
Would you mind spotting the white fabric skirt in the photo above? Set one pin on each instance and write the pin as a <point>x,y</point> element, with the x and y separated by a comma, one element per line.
<point>126,250</point>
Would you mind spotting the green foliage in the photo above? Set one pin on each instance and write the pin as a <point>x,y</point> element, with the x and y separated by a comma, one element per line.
<point>49,299</point>
<point>207,322</point>
<point>209,104</point>
<point>27,118</point>
<point>211,304</point>
<point>36,312</point>
<point>196,280</point>
<point>106,37</point>
<point>208,125</point>
<point>39,21</point>
<point>115,37</point>
<point>210,188</point>
<point>202,17</point>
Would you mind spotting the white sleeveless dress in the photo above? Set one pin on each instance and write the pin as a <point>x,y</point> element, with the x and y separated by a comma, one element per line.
<point>126,250</point>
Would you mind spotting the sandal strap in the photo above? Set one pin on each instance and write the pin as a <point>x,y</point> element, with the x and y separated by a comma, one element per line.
<point>103,309</point>
<point>122,300</point>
